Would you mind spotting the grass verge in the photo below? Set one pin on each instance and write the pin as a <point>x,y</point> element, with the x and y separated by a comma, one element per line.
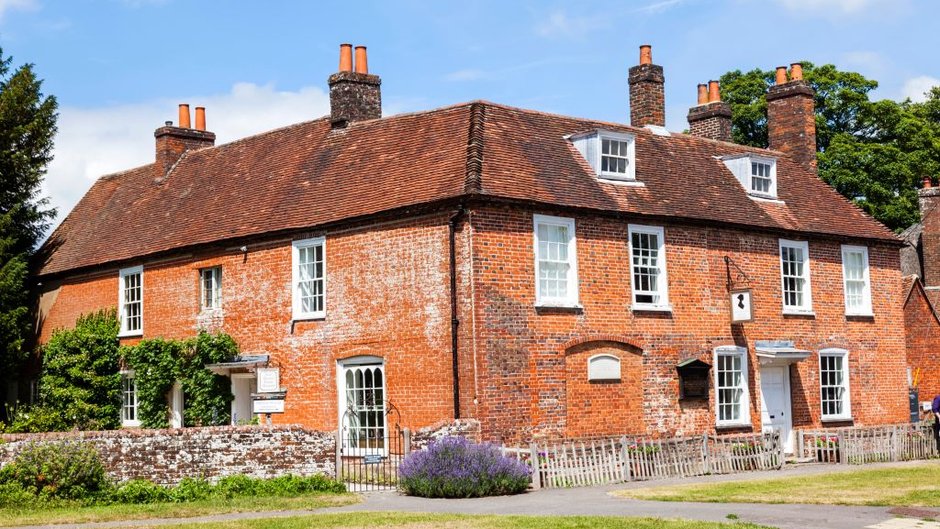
<point>33,515</point>
<point>457,521</point>
<point>910,486</point>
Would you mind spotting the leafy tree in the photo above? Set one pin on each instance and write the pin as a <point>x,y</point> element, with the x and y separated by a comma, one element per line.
<point>874,153</point>
<point>27,128</point>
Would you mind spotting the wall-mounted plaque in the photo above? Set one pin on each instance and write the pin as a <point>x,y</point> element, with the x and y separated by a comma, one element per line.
<point>741,306</point>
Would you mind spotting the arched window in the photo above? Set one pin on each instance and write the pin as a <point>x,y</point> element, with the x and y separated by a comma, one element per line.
<point>603,367</point>
<point>362,404</point>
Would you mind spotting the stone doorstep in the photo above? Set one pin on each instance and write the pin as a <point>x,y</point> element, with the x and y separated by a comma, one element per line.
<point>916,512</point>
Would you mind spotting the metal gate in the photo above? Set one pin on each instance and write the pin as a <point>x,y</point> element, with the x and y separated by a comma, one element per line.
<point>370,445</point>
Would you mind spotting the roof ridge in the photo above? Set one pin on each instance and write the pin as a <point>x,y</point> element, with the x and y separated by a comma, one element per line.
<point>473,182</point>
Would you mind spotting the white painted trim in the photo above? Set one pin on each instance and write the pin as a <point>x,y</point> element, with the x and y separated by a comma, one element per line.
<point>129,374</point>
<point>730,350</point>
<point>296,311</point>
<point>740,167</point>
<point>846,414</point>
<point>216,285</point>
<point>341,367</point>
<point>807,308</point>
<point>630,140</point>
<point>866,308</point>
<point>663,284</point>
<point>122,273</point>
<point>788,402</point>
<point>572,301</point>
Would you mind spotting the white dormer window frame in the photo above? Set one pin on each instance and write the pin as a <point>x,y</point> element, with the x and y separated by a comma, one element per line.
<point>753,169</point>
<point>620,152</point>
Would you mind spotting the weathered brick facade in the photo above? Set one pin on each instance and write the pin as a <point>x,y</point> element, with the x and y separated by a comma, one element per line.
<point>922,340</point>
<point>791,120</point>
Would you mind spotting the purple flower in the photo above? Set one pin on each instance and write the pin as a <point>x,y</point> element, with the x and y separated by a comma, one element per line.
<point>454,467</point>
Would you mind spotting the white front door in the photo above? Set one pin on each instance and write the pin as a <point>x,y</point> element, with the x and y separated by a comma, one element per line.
<point>775,403</point>
<point>243,385</point>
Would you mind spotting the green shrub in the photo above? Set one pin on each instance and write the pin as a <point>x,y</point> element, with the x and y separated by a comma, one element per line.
<point>66,470</point>
<point>191,489</point>
<point>37,418</point>
<point>12,495</point>
<point>237,485</point>
<point>137,491</point>
<point>80,386</point>
<point>290,485</point>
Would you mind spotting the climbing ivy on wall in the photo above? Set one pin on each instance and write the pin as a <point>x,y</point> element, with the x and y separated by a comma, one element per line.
<point>158,363</point>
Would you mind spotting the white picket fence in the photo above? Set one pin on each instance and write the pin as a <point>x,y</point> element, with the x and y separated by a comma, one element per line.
<point>601,461</point>
<point>868,444</point>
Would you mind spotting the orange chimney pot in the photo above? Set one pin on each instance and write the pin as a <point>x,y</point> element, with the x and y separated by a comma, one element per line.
<point>200,118</point>
<point>928,182</point>
<point>362,62</point>
<point>702,93</point>
<point>646,54</point>
<point>184,116</point>
<point>781,77</point>
<point>796,72</point>
<point>345,58</point>
<point>714,95</point>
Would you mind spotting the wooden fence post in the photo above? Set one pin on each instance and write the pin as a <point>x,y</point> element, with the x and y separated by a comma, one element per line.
<point>624,461</point>
<point>534,462</point>
<point>706,461</point>
<point>407,437</point>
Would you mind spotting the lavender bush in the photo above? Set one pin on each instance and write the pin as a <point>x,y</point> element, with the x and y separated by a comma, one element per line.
<point>454,467</point>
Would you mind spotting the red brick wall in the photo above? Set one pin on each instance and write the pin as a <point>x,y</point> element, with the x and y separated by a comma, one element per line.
<point>387,296</point>
<point>923,343</point>
<point>589,410</point>
<point>521,349</point>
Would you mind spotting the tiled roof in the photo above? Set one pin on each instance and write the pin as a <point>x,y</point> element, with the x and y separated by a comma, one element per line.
<point>308,175</point>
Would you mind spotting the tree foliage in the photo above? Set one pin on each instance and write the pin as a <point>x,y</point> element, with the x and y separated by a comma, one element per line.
<point>159,363</point>
<point>873,152</point>
<point>27,128</point>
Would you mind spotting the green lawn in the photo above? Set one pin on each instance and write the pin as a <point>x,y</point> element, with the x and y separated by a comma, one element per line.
<point>453,521</point>
<point>912,486</point>
<point>78,514</point>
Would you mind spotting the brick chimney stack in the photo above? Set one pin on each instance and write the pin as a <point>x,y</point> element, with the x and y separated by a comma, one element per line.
<point>355,94</point>
<point>929,201</point>
<point>711,118</point>
<point>647,96</point>
<point>173,142</point>
<point>791,116</point>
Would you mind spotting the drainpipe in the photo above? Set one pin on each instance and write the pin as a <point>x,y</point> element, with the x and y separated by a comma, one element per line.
<point>454,320</point>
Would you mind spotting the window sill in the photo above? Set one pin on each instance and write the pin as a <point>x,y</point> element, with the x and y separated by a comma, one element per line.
<point>639,307</point>
<point>557,305</point>
<point>732,425</point>
<point>308,317</point>
<point>130,424</point>
<point>629,182</point>
<point>859,314</point>
<point>131,334</point>
<point>765,198</point>
<point>792,312</point>
<point>836,419</point>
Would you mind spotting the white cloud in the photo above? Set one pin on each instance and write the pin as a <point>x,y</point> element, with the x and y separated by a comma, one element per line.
<point>561,24</point>
<point>23,5</point>
<point>916,87</point>
<point>658,7</point>
<point>829,6</point>
<point>95,141</point>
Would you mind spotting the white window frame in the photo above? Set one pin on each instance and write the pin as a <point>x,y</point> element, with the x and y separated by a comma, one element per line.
<point>629,139</point>
<point>571,300</point>
<point>122,275</point>
<point>216,278</point>
<point>846,414</point>
<point>376,364</point>
<point>662,282</point>
<point>135,422</point>
<point>865,309</point>
<point>807,307</point>
<point>297,304</point>
<point>772,164</point>
<point>745,402</point>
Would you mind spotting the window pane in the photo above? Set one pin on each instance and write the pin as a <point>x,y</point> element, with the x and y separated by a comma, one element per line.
<point>554,263</point>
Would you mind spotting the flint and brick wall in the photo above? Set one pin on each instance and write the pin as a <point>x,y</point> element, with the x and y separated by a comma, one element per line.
<point>167,456</point>
<point>532,380</point>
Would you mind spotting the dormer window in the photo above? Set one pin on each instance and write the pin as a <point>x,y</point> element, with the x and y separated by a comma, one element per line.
<point>612,155</point>
<point>757,174</point>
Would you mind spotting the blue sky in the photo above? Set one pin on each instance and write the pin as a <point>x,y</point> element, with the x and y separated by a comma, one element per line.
<point>118,68</point>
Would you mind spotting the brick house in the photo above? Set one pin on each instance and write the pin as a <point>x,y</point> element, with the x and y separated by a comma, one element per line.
<point>920,264</point>
<point>546,275</point>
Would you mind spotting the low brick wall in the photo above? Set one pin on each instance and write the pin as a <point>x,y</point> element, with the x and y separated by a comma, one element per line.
<point>167,456</point>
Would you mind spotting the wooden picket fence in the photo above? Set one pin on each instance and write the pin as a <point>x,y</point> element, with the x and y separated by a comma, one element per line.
<point>601,461</point>
<point>868,444</point>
